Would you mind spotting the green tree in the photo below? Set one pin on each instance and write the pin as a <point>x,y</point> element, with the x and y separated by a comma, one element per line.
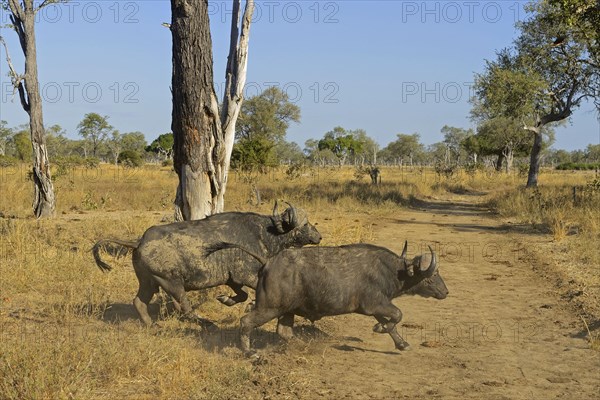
<point>130,158</point>
<point>311,146</point>
<point>437,152</point>
<point>267,115</point>
<point>316,156</point>
<point>135,141</point>
<point>558,156</point>
<point>454,139</point>
<point>162,145</point>
<point>56,141</point>
<point>257,153</point>
<point>114,142</point>
<point>504,138</point>
<point>22,143</point>
<point>346,145</point>
<point>541,81</point>
<point>5,134</point>
<point>368,149</point>
<point>473,146</point>
<point>262,125</point>
<point>94,129</point>
<point>592,152</point>
<point>578,156</point>
<point>583,19</point>
<point>288,152</point>
<point>405,149</point>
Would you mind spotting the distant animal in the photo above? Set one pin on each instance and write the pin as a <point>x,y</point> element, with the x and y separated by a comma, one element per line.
<point>324,281</point>
<point>171,256</point>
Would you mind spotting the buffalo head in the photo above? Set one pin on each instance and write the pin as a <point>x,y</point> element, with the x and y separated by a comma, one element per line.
<point>296,220</point>
<point>423,277</point>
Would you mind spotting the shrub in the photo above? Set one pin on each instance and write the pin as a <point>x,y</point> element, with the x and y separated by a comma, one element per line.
<point>569,166</point>
<point>130,158</point>
<point>7,161</point>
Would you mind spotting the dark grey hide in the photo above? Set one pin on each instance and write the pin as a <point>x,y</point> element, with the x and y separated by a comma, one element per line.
<point>171,256</point>
<point>323,281</point>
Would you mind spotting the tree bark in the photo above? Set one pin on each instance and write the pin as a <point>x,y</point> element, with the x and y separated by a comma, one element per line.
<point>536,153</point>
<point>509,155</point>
<point>235,75</point>
<point>203,136</point>
<point>23,20</point>
<point>499,162</point>
<point>195,118</point>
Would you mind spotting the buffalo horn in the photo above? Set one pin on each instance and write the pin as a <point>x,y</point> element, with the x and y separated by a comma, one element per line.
<point>276,218</point>
<point>294,216</point>
<point>432,265</point>
<point>403,255</point>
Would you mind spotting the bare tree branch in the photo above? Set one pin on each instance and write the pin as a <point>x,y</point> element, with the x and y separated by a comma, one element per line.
<point>15,8</point>
<point>48,2</point>
<point>17,25</point>
<point>237,63</point>
<point>16,79</point>
<point>235,76</point>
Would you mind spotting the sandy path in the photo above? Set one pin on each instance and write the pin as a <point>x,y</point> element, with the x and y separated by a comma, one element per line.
<point>501,333</point>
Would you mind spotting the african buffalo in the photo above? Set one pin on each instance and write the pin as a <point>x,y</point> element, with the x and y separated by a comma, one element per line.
<point>171,256</point>
<point>322,281</point>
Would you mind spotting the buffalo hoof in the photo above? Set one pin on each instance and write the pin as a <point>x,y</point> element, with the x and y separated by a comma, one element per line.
<point>203,322</point>
<point>250,306</point>
<point>228,301</point>
<point>404,347</point>
<point>208,326</point>
<point>378,328</point>
<point>251,354</point>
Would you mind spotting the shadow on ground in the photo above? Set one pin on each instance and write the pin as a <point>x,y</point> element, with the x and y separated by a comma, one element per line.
<point>345,347</point>
<point>210,335</point>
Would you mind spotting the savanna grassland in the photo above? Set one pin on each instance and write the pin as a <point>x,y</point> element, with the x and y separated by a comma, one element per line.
<point>521,320</point>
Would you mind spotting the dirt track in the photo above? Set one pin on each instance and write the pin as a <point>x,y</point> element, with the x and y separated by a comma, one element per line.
<point>502,333</point>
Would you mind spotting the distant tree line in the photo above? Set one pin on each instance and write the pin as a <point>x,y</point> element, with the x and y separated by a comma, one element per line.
<point>263,123</point>
<point>100,142</point>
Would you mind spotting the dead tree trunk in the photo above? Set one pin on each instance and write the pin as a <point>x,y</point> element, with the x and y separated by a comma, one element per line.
<point>235,79</point>
<point>196,131</point>
<point>22,17</point>
<point>203,138</point>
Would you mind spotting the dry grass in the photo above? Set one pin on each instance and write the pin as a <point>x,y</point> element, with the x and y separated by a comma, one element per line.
<point>68,331</point>
<point>573,255</point>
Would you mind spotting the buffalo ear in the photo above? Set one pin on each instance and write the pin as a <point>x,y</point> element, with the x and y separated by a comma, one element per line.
<point>429,269</point>
<point>408,268</point>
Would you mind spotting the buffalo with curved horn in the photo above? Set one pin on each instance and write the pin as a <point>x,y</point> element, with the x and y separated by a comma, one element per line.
<point>172,256</point>
<point>323,281</point>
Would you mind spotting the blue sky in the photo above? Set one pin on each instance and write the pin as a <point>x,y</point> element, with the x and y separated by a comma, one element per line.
<point>387,67</point>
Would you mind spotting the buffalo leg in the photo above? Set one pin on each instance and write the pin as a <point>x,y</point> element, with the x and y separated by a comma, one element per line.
<point>240,295</point>
<point>177,291</point>
<point>388,317</point>
<point>285,326</point>
<point>145,293</point>
<point>255,318</point>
